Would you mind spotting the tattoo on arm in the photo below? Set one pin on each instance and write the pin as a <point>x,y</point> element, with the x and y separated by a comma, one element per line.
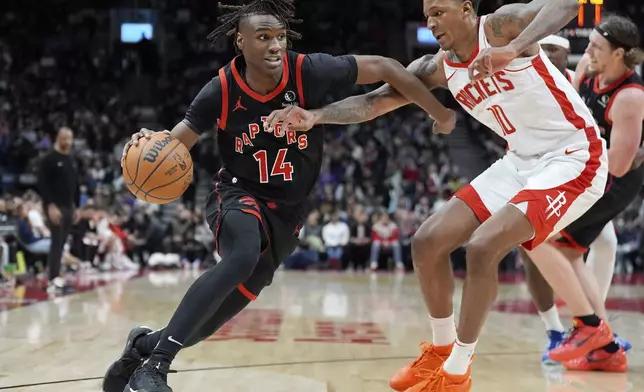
<point>503,23</point>
<point>525,24</point>
<point>352,110</point>
<point>368,106</point>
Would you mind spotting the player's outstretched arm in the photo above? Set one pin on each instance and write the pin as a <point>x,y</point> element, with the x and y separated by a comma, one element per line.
<point>373,69</point>
<point>626,114</point>
<point>365,107</point>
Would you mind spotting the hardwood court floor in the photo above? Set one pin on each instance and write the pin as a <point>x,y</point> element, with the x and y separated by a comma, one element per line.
<point>308,332</point>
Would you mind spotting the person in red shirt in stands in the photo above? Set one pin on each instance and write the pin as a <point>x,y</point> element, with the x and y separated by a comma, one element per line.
<point>385,234</point>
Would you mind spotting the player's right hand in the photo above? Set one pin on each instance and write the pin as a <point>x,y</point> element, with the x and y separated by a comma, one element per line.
<point>134,141</point>
<point>292,118</point>
<point>445,127</point>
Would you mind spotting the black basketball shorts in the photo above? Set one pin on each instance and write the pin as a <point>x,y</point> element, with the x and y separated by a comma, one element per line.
<point>620,192</point>
<point>279,236</point>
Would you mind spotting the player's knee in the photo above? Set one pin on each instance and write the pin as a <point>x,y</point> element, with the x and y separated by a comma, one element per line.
<point>242,260</point>
<point>482,254</point>
<point>430,239</point>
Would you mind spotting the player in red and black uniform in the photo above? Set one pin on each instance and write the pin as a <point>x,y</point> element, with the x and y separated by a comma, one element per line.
<point>257,202</point>
<point>606,79</point>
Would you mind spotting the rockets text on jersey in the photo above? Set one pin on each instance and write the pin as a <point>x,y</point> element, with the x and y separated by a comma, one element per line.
<point>530,103</point>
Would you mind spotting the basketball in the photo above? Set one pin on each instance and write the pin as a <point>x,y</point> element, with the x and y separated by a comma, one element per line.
<point>158,170</point>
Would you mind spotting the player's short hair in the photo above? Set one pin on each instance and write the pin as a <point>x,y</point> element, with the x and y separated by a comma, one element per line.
<point>283,10</point>
<point>623,33</point>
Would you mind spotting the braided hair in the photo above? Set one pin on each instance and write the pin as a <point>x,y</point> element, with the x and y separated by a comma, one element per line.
<point>283,10</point>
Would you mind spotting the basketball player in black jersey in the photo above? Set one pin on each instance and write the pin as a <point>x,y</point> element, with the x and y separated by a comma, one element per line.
<point>601,254</point>
<point>257,204</point>
<point>606,79</point>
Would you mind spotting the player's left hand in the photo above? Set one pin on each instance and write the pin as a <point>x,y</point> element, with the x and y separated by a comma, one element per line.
<point>293,118</point>
<point>491,60</point>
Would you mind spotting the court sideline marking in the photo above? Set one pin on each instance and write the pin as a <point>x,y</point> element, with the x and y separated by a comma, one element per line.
<point>264,365</point>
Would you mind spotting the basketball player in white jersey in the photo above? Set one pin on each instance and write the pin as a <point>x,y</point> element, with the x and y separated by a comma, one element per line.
<point>554,171</point>
<point>601,256</point>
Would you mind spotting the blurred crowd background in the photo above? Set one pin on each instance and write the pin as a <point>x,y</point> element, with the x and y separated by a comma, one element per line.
<point>66,65</point>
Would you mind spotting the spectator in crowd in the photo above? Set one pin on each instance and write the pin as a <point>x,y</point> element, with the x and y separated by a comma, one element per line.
<point>336,236</point>
<point>385,236</point>
<point>359,249</point>
<point>30,236</point>
<point>311,245</point>
<point>7,226</point>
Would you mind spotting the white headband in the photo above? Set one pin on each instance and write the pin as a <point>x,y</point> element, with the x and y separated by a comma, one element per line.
<point>556,40</point>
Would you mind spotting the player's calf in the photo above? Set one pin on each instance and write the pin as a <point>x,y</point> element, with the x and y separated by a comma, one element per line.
<point>488,245</point>
<point>431,246</point>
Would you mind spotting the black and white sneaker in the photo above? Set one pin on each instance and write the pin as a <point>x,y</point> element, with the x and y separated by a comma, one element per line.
<point>152,376</point>
<point>119,372</point>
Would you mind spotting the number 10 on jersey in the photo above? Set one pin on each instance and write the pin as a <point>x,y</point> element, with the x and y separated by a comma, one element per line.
<point>499,115</point>
<point>280,166</point>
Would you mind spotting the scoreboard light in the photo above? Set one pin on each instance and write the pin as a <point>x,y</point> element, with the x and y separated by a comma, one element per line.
<point>577,31</point>
<point>585,18</point>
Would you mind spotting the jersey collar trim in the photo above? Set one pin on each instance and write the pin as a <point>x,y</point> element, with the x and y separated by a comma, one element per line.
<point>613,85</point>
<point>256,96</point>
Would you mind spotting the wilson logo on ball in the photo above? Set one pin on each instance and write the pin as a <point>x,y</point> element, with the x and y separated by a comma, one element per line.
<point>153,153</point>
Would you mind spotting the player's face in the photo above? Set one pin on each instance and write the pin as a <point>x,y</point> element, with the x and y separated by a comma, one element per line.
<point>557,55</point>
<point>448,20</point>
<point>262,39</point>
<point>601,54</point>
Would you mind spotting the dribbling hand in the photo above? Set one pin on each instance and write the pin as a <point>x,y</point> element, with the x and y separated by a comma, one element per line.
<point>134,141</point>
<point>292,118</point>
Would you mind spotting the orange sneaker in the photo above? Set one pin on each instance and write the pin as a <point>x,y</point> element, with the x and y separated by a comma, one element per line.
<point>440,381</point>
<point>600,360</point>
<point>431,359</point>
<point>581,341</point>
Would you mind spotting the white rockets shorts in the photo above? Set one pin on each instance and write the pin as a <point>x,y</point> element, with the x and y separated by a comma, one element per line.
<point>552,190</point>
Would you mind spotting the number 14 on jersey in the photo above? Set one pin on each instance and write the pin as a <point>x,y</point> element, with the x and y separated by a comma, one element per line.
<point>280,167</point>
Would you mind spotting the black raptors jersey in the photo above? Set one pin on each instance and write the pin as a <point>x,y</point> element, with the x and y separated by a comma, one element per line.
<point>272,164</point>
<point>275,167</point>
<point>600,101</point>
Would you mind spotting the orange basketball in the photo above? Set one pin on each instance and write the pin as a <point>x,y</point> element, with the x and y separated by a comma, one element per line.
<point>158,170</point>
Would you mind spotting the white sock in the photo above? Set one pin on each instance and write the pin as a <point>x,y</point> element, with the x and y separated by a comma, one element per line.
<point>601,258</point>
<point>551,320</point>
<point>444,331</point>
<point>460,358</point>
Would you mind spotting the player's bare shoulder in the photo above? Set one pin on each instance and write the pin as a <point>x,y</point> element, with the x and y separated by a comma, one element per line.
<point>430,69</point>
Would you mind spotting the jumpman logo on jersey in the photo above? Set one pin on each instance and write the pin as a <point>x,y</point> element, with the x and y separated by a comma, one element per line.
<point>554,205</point>
<point>239,105</point>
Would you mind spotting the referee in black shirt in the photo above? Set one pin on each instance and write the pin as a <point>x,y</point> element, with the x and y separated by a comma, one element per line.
<point>59,189</point>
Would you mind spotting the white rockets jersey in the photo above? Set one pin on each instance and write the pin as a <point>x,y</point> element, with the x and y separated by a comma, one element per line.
<point>531,104</point>
<point>570,75</point>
